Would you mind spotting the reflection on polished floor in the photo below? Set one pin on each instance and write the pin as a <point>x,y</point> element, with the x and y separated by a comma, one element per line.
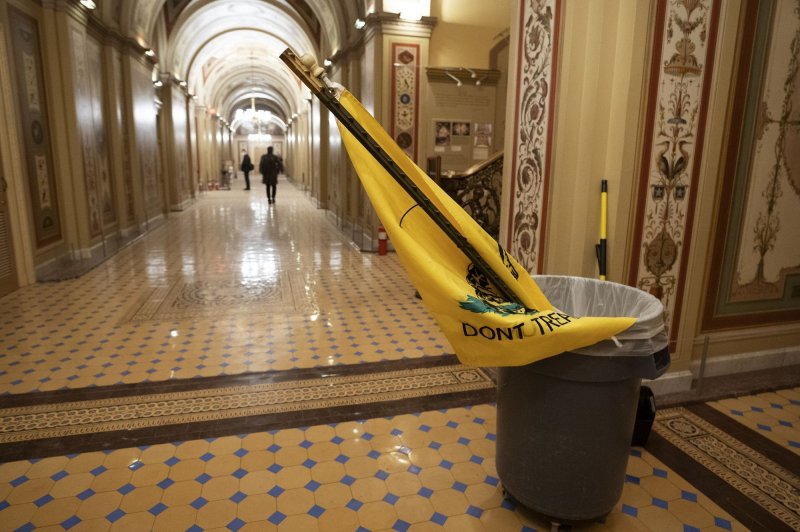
<point>244,366</point>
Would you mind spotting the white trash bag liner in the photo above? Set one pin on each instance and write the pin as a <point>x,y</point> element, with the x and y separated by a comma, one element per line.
<point>581,297</point>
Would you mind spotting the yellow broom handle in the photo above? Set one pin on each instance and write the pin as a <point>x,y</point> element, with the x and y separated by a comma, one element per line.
<point>601,247</point>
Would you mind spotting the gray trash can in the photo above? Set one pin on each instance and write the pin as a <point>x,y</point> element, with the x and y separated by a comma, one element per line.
<point>564,424</point>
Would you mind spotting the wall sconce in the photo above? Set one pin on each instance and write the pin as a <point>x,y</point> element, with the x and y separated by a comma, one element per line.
<point>89,4</point>
<point>157,83</point>
<point>150,53</point>
<point>360,23</point>
<point>473,75</point>
<point>458,81</point>
<point>327,63</point>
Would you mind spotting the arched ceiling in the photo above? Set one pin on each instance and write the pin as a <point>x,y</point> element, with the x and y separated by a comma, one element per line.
<point>227,50</point>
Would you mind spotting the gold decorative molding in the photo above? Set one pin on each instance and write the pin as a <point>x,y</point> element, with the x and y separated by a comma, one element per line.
<point>392,24</point>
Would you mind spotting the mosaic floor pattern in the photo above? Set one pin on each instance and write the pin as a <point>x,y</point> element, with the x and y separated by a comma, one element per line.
<point>430,470</point>
<point>760,479</point>
<point>122,415</point>
<point>215,296</point>
<point>244,367</point>
<point>230,286</point>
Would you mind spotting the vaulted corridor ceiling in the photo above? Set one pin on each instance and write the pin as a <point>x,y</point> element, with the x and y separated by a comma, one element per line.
<point>227,52</point>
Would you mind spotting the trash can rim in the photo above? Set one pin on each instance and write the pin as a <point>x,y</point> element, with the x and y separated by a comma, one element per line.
<point>654,313</point>
<point>588,297</point>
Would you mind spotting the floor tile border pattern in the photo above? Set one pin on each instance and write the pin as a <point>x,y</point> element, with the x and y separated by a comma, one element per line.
<point>748,435</point>
<point>739,467</point>
<point>94,393</point>
<point>113,414</point>
<point>168,302</point>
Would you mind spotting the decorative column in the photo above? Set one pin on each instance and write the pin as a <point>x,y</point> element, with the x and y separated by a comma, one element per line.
<point>534,37</point>
<point>682,63</point>
<point>396,50</point>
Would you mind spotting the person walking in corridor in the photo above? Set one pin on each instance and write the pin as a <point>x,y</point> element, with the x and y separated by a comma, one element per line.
<point>246,167</point>
<point>270,166</point>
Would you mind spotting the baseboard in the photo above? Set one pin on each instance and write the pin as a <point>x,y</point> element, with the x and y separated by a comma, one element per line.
<point>677,384</point>
<point>746,362</point>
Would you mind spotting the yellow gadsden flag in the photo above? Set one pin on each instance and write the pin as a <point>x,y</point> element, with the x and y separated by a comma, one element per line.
<point>484,329</point>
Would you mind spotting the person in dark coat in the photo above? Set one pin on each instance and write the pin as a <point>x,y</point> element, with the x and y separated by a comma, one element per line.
<point>270,166</point>
<point>246,167</point>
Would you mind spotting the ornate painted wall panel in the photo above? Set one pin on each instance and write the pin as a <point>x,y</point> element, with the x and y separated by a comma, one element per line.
<point>682,63</point>
<point>105,190</point>
<point>34,122</point>
<point>144,117</point>
<point>757,256</point>
<point>405,96</point>
<point>180,128</point>
<point>85,116</point>
<point>122,123</point>
<point>531,148</point>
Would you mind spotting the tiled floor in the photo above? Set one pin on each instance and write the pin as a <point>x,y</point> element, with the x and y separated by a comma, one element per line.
<point>773,414</point>
<point>244,305</point>
<point>422,471</point>
<point>232,285</point>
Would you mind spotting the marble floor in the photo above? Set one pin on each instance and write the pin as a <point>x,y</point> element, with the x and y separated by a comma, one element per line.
<point>245,366</point>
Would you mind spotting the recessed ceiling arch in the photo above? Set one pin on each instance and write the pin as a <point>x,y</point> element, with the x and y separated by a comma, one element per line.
<point>219,18</point>
<point>209,44</point>
<point>213,74</point>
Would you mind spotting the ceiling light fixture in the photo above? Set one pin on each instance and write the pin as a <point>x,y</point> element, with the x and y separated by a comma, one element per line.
<point>360,23</point>
<point>89,4</point>
<point>150,53</point>
<point>327,63</point>
<point>157,83</point>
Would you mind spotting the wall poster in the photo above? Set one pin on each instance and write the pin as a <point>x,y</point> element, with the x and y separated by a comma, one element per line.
<point>441,132</point>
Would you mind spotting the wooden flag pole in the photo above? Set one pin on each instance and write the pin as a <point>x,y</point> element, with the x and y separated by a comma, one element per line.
<point>312,75</point>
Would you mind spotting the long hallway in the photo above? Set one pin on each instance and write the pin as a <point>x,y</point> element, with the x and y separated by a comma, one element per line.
<point>260,372</point>
<point>216,291</point>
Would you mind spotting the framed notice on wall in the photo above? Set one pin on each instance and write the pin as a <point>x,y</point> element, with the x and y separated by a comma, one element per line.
<point>461,142</point>
<point>441,133</point>
<point>481,140</point>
